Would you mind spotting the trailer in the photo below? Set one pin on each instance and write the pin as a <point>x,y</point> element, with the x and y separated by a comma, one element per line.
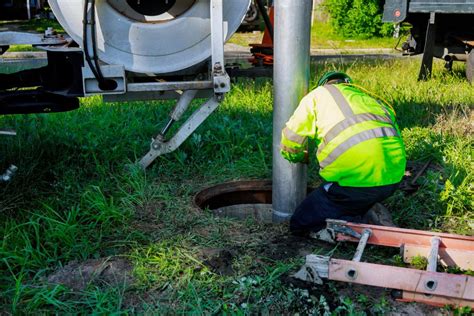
<point>440,28</point>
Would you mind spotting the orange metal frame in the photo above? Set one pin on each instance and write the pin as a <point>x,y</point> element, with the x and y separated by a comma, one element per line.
<point>430,287</point>
<point>434,288</point>
<point>454,250</point>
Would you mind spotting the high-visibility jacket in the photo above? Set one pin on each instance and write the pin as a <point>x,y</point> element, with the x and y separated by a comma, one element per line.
<point>359,142</point>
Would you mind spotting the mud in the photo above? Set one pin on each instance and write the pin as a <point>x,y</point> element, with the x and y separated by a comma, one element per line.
<point>287,246</point>
<point>409,182</point>
<point>100,272</point>
<point>395,308</point>
<point>314,290</point>
<point>218,260</point>
<point>145,218</point>
<point>415,309</point>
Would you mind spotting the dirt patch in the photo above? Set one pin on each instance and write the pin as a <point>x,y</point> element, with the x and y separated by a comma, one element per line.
<point>101,272</point>
<point>415,309</point>
<point>313,290</point>
<point>371,300</point>
<point>415,171</point>
<point>218,260</point>
<point>287,246</point>
<point>145,217</point>
<point>374,303</point>
<point>377,300</point>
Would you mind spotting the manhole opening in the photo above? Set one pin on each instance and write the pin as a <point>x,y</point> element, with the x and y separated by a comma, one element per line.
<point>239,200</point>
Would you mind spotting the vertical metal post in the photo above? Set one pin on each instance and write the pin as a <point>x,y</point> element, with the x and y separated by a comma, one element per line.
<point>217,34</point>
<point>28,8</point>
<point>291,78</point>
<point>219,31</point>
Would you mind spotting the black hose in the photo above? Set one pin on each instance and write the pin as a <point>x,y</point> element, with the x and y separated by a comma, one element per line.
<point>94,43</point>
<point>85,44</point>
<point>266,18</point>
<point>104,84</point>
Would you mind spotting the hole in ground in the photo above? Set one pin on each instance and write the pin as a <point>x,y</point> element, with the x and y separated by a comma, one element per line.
<point>239,200</point>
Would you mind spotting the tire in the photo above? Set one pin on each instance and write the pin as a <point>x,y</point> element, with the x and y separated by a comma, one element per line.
<point>470,67</point>
<point>252,14</point>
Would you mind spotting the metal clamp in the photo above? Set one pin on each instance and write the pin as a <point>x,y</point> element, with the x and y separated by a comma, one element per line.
<point>160,146</point>
<point>9,174</point>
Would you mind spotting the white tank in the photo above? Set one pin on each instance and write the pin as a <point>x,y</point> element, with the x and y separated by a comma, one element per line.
<point>150,36</point>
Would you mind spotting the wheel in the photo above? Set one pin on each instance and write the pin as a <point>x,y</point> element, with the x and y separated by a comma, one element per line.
<point>252,14</point>
<point>470,67</point>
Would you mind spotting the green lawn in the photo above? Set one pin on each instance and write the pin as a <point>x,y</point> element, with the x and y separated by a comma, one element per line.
<point>77,196</point>
<point>34,25</point>
<point>323,37</point>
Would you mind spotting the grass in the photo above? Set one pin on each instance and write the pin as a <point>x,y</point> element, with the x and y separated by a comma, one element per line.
<point>323,36</point>
<point>78,196</point>
<point>33,25</point>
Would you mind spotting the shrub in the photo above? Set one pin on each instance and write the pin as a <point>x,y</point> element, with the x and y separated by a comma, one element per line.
<point>357,18</point>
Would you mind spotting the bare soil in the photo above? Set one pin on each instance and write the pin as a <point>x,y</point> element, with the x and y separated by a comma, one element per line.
<point>100,272</point>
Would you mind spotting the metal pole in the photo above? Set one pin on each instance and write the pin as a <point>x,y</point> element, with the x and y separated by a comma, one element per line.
<point>291,78</point>
<point>28,8</point>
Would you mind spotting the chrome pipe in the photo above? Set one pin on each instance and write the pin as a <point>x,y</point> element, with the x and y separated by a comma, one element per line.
<point>291,80</point>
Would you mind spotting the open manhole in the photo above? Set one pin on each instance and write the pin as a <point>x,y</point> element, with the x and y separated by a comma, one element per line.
<point>239,200</point>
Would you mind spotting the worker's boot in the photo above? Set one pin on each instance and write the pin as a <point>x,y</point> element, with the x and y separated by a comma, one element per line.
<point>379,215</point>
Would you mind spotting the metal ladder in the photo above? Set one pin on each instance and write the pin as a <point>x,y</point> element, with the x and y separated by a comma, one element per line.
<point>411,285</point>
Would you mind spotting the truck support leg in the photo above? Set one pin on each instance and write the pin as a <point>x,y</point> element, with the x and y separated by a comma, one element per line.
<point>427,62</point>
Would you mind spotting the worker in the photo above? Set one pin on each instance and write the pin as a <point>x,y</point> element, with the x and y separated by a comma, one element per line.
<point>359,148</point>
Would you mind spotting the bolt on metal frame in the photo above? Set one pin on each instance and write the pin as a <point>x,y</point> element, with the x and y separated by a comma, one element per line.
<point>220,83</point>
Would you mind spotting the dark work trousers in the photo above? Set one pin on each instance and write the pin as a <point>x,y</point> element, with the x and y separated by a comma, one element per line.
<point>345,203</point>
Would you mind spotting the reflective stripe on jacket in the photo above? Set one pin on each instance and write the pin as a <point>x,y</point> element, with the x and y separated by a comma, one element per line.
<point>358,140</point>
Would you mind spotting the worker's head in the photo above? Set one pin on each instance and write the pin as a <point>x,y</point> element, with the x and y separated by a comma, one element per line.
<point>334,77</point>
